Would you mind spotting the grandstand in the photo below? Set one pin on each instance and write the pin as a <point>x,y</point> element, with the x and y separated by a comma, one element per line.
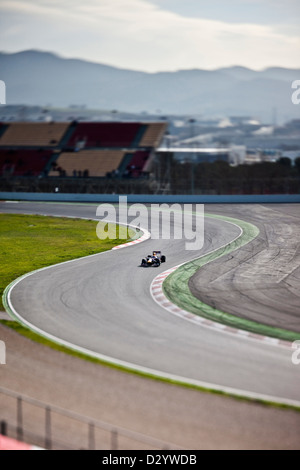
<point>78,149</point>
<point>153,135</point>
<point>139,163</point>
<point>33,134</point>
<point>24,162</point>
<point>94,163</point>
<point>105,134</point>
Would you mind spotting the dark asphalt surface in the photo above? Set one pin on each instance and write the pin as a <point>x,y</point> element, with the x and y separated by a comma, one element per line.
<point>261,281</point>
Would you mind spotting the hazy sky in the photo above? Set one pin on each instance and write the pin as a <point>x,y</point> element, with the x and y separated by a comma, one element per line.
<point>157,35</point>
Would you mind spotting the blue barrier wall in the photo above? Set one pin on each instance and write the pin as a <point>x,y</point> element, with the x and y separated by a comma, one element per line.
<point>153,198</point>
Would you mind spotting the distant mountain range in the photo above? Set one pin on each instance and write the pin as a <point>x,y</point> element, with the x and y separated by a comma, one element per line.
<point>42,78</point>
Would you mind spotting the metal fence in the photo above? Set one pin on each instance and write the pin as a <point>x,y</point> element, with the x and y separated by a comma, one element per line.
<point>54,428</point>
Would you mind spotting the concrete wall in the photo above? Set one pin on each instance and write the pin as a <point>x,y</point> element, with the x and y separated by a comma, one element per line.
<point>133,198</point>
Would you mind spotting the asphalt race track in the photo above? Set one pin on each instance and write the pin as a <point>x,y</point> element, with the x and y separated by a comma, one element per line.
<point>103,303</point>
<point>264,276</point>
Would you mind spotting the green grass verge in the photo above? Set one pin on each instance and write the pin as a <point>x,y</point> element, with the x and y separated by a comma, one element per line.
<point>20,329</point>
<point>176,288</point>
<point>31,242</point>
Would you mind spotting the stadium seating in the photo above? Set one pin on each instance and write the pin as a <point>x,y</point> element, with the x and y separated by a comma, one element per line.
<point>23,162</point>
<point>104,134</point>
<point>94,163</point>
<point>90,149</point>
<point>153,134</point>
<point>137,163</point>
<point>33,134</point>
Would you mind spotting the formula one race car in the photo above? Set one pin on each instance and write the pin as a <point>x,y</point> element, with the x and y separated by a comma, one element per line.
<point>154,260</point>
